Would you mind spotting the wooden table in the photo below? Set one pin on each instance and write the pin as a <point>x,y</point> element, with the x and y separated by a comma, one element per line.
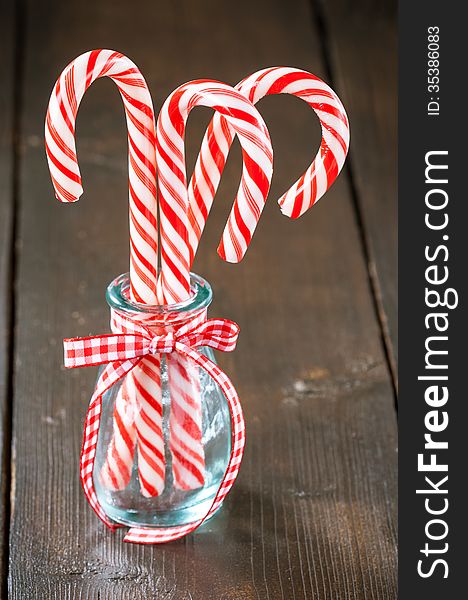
<point>313,514</point>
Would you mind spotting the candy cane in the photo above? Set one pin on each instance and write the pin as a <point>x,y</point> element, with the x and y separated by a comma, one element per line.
<point>144,385</point>
<point>185,418</point>
<point>308,188</point>
<point>173,195</point>
<point>66,178</point>
<point>117,469</point>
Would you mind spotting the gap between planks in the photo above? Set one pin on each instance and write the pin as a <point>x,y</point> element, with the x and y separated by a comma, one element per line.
<point>320,22</point>
<point>15,21</point>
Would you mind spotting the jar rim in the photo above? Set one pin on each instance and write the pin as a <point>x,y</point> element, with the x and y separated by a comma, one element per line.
<point>118,297</point>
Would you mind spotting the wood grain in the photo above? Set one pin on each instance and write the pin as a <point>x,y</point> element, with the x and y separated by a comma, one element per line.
<point>7,36</point>
<point>313,512</point>
<point>361,40</point>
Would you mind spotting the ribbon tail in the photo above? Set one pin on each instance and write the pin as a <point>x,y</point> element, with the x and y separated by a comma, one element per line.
<point>111,374</point>
<point>146,535</point>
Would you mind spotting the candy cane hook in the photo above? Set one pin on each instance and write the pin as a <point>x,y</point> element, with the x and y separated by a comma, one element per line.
<point>244,119</point>
<point>63,162</point>
<point>309,188</point>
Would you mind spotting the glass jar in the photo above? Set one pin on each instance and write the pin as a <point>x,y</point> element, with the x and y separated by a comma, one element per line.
<point>174,506</point>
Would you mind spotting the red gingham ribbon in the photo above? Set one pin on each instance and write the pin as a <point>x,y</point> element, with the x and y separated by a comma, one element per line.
<point>122,352</point>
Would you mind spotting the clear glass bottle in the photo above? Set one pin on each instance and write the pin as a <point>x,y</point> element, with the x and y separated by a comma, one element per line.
<point>173,506</point>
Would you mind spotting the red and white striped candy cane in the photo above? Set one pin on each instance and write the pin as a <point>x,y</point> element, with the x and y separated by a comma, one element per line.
<point>63,164</point>
<point>244,119</point>
<point>117,469</point>
<point>308,188</point>
<point>143,384</point>
<point>186,419</point>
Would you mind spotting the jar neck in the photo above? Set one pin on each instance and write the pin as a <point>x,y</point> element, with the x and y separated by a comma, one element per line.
<point>167,316</point>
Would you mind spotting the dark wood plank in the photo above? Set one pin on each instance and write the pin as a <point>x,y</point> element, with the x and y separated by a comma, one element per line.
<point>7,51</point>
<point>313,512</point>
<point>362,42</point>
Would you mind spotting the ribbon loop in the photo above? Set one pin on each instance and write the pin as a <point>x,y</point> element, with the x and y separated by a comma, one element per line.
<point>220,334</point>
<point>101,349</point>
<point>122,351</point>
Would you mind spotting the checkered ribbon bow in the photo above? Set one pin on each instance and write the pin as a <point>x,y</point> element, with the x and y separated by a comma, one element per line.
<point>121,352</point>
